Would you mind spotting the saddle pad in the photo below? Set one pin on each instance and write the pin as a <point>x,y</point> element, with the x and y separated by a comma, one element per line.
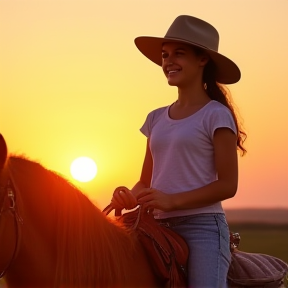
<point>256,270</point>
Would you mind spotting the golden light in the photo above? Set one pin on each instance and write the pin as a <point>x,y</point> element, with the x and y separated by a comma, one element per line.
<point>83,169</point>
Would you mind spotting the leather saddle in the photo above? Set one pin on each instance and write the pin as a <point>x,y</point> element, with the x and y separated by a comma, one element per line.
<point>167,251</point>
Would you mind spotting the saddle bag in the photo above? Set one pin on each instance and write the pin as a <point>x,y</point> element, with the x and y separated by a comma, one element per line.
<point>254,269</point>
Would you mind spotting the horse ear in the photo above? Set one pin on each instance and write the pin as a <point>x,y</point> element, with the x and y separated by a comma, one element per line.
<point>3,152</point>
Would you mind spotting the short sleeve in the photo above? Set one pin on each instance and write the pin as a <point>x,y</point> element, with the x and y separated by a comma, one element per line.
<point>146,127</point>
<point>151,120</point>
<point>221,118</point>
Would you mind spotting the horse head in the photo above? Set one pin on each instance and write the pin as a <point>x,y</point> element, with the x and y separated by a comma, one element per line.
<point>8,223</point>
<point>3,152</point>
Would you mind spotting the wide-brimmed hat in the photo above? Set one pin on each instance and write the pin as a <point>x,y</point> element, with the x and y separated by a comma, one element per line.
<point>191,30</point>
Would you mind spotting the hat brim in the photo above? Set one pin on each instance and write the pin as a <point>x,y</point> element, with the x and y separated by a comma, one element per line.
<point>227,71</point>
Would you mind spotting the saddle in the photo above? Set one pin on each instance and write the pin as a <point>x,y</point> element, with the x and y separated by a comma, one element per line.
<point>167,251</point>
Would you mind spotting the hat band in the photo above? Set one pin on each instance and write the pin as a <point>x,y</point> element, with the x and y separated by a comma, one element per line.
<point>177,39</point>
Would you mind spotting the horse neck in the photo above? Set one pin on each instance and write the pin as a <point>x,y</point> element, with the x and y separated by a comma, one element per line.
<point>33,199</point>
<point>36,256</point>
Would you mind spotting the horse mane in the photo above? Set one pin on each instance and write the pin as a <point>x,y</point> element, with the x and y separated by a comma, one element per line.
<point>88,242</point>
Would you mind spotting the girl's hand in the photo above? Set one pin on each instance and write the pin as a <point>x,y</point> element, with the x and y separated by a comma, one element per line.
<point>123,198</point>
<point>152,198</point>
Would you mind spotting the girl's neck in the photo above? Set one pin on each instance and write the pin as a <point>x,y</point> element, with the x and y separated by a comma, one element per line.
<point>192,96</point>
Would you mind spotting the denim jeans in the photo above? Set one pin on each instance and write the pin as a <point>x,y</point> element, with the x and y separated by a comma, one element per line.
<point>207,236</point>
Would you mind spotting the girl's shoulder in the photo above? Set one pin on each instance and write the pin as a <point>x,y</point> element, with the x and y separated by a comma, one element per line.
<point>213,104</point>
<point>215,107</point>
<point>218,115</point>
<point>152,118</point>
<point>158,112</point>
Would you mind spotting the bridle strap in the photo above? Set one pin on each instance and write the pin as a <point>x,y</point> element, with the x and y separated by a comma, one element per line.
<point>17,219</point>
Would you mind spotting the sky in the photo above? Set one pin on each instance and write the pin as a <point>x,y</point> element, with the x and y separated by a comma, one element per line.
<point>72,83</point>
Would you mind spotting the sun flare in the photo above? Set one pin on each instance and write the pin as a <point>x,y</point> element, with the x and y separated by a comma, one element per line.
<point>83,169</point>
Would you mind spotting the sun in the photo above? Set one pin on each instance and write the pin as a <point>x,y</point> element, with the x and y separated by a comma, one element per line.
<point>83,169</point>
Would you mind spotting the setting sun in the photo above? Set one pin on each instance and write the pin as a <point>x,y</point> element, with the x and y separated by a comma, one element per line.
<point>83,169</point>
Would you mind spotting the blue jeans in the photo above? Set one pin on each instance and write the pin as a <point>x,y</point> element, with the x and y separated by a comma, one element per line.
<point>207,236</point>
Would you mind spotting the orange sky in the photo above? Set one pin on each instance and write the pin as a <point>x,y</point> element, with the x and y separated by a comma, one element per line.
<point>73,84</point>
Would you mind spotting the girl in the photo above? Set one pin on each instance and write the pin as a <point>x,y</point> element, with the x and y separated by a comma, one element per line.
<point>190,164</point>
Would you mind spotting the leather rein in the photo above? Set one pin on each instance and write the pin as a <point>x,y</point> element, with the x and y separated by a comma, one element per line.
<point>6,207</point>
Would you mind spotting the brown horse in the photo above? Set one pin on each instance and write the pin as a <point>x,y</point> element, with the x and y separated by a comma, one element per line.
<point>51,235</point>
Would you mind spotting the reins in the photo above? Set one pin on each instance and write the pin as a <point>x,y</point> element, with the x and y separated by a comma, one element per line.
<point>11,207</point>
<point>118,213</point>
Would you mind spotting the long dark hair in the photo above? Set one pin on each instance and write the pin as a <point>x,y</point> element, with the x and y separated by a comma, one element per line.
<point>221,93</point>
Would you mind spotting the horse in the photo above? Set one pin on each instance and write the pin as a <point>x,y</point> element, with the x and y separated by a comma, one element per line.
<point>52,235</point>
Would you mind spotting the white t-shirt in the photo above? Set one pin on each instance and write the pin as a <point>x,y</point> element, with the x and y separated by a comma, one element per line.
<point>183,153</point>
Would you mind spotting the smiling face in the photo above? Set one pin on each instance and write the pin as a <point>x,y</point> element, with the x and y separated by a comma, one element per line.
<point>182,65</point>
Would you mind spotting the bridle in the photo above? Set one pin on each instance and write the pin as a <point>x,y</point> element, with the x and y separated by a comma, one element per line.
<point>9,205</point>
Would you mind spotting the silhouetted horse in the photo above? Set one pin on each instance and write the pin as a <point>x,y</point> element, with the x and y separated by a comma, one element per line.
<point>51,235</point>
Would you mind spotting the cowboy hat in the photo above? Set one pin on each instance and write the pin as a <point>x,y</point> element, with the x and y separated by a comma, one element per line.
<point>196,32</point>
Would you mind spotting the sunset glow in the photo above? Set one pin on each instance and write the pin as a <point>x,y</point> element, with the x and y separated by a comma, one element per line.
<point>73,83</point>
